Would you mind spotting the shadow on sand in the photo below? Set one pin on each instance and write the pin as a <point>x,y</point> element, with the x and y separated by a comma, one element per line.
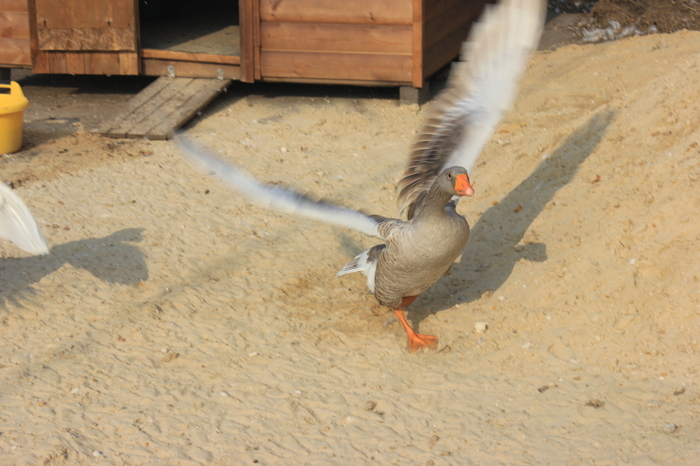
<point>492,251</point>
<point>111,259</point>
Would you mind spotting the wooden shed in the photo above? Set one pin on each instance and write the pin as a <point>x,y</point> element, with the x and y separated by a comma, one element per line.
<point>366,42</point>
<point>361,42</point>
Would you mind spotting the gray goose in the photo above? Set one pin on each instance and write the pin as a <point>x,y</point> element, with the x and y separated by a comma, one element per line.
<point>18,225</point>
<point>417,251</point>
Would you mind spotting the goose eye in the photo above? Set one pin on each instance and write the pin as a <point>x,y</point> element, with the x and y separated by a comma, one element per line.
<point>449,175</point>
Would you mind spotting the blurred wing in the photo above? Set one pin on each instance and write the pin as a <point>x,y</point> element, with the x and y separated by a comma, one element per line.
<point>286,200</point>
<point>480,89</point>
<point>18,224</point>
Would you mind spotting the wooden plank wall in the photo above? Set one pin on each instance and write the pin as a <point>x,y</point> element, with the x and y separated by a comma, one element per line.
<point>109,63</point>
<point>84,37</point>
<point>336,41</point>
<point>73,25</point>
<point>446,25</point>
<point>15,48</point>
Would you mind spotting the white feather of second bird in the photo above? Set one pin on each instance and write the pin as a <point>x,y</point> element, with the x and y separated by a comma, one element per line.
<point>18,225</point>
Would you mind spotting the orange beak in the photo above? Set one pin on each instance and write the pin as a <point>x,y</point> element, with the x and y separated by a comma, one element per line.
<point>462,185</point>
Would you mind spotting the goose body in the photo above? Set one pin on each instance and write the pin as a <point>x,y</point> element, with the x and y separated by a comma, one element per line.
<point>417,251</point>
<point>416,258</point>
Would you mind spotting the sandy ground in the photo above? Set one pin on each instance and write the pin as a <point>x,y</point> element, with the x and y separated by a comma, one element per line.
<point>175,323</point>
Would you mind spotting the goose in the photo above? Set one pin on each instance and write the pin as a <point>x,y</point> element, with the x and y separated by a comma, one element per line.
<point>417,251</point>
<point>18,225</point>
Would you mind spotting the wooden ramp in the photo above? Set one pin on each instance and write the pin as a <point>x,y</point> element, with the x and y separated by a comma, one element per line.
<point>162,107</point>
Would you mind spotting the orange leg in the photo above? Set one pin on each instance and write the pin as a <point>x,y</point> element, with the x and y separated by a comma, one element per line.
<point>416,341</point>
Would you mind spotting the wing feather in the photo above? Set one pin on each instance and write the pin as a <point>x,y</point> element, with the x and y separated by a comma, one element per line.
<point>285,199</point>
<point>480,89</point>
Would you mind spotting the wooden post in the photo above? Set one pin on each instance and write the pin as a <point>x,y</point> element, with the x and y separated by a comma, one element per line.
<point>246,19</point>
<point>256,39</point>
<point>417,43</point>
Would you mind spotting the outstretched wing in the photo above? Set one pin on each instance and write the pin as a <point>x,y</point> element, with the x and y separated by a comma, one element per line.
<point>286,200</point>
<point>18,224</point>
<point>480,89</point>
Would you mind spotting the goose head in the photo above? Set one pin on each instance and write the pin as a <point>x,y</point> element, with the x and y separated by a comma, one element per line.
<point>455,180</point>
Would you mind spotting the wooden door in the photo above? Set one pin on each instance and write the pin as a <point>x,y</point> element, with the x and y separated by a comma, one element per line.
<point>85,36</point>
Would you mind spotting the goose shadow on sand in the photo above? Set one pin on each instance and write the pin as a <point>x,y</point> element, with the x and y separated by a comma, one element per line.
<point>110,259</point>
<point>492,250</point>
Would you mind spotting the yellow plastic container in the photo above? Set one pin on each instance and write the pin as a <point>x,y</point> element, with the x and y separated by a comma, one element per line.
<point>12,105</point>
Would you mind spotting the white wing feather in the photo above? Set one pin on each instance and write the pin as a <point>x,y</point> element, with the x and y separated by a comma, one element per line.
<point>496,60</point>
<point>281,198</point>
<point>18,225</point>
<point>481,88</point>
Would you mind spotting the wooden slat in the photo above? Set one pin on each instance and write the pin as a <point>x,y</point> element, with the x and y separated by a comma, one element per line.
<point>188,56</point>
<point>40,63</point>
<point>348,82</point>
<point>337,11</point>
<point>156,67</point>
<point>38,59</point>
<point>246,15</point>
<point>176,96</point>
<point>257,21</point>
<point>162,107</point>
<point>14,5</point>
<point>101,63</point>
<point>179,112</point>
<point>129,63</point>
<point>148,93</point>
<point>144,106</point>
<point>14,24</point>
<point>417,44</point>
<point>75,62</point>
<point>109,63</point>
<point>57,63</point>
<point>336,37</point>
<point>15,52</point>
<point>86,39</point>
<point>346,66</point>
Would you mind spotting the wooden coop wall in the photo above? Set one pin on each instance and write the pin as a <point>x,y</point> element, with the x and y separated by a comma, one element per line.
<point>352,41</point>
<point>446,25</point>
<point>15,48</point>
<point>367,42</point>
<point>79,37</point>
